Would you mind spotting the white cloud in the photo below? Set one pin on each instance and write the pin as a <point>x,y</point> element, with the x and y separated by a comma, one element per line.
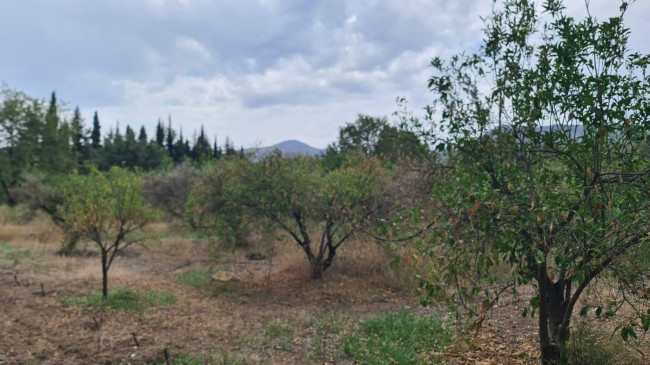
<point>251,69</point>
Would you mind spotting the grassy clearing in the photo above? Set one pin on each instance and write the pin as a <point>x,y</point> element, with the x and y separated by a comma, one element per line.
<point>398,338</point>
<point>123,300</point>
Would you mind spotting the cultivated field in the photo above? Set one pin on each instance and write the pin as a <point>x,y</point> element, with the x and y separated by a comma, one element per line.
<point>166,306</point>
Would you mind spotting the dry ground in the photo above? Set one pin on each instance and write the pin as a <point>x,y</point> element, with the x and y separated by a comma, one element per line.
<point>272,313</point>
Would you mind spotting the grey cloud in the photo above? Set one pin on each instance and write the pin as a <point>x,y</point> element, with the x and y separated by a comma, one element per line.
<point>150,58</point>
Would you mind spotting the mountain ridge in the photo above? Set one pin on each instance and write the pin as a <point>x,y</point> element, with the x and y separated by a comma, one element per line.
<point>289,147</point>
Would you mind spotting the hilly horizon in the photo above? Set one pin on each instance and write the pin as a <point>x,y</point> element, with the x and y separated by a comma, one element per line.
<point>288,148</point>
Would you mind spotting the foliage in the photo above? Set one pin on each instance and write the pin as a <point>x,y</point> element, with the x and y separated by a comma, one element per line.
<point>373,136</point>
<point>170,190</point>
<point>123,300</point>
<point>21,125</point>
<point>544,132</point>
<point>213,204</point>
<point>318,209</point>
<point>108,209</point>
<point>398,337</point>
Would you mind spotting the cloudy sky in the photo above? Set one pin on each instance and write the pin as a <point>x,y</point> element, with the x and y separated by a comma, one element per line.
<point>258,71</point>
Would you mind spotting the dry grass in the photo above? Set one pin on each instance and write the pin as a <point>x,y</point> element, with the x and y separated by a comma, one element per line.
<point>273,313</point>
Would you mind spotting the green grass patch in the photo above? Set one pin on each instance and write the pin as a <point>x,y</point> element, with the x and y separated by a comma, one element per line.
<point>202,280</point>
<point>11,256</point>
<point>280,334</point>
<point>197,279</point>
<point>398,338</point>
<point>123,300</point>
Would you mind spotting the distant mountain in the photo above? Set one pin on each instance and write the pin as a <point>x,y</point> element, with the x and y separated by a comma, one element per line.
<point>288,148</point>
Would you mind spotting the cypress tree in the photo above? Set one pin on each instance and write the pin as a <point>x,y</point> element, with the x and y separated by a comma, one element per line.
<point>95,135</point>
<point>142,137</point>
<point>78,137</point>
<point>160,133</point>
<point>170,138</point>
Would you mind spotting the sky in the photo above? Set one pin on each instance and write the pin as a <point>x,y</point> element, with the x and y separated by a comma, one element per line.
<point>257,71</point>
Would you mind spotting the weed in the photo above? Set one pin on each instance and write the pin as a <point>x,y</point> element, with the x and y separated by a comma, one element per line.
<point>123,299</point>
<point>197,279</point>
<point>325,343</point>
<point>282,333</point>
<point>588,347</point>
<point>10,256</point>
<point>399,338</point>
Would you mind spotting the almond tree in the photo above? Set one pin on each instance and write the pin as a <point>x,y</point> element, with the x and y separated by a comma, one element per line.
<point>544,132</point>
<point>108,209</point>
<point>319,209</point>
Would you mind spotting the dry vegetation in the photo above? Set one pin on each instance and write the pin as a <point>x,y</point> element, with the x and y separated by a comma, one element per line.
<point>271,312</point>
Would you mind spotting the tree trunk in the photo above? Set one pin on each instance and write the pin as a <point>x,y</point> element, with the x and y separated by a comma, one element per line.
<point>553,336</point>
<point>318,265</point>
<point>104,274</point>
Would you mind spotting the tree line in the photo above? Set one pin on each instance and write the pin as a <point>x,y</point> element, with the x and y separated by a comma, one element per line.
<point>36,137</point>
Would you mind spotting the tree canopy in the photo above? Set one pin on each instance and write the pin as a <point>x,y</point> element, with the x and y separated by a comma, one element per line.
<point>545,129</point>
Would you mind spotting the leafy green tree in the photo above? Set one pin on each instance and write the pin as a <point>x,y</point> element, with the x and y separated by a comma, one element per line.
<point>544,131</point>
<point>21,122</point>
<point>320,210</point>
<point>373,137</point>
<point>108,209</point>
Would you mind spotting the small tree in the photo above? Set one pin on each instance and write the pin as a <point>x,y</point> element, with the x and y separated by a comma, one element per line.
<point>319,210</point>
<point>106,208</point>
<point>545,133</point>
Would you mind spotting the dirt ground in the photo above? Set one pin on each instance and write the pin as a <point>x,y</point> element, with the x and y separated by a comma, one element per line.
<point>270,313</point>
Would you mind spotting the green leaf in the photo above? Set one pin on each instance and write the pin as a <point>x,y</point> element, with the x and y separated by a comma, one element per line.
<point>540,256</point>
<point>584,310</point>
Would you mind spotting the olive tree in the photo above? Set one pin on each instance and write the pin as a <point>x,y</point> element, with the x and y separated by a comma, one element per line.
<point>106,208</point>
<point>544,132</point>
